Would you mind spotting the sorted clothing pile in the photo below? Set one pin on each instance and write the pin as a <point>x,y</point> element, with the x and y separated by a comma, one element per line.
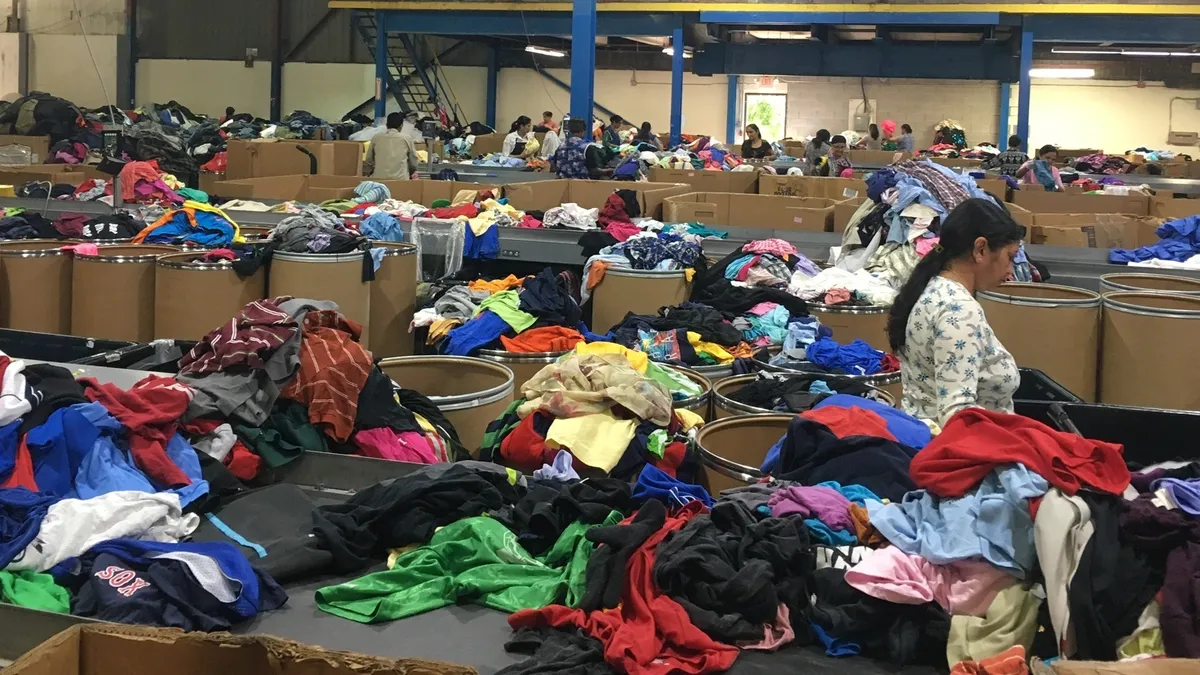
<point>643,251</point>
<point>1178,242</point>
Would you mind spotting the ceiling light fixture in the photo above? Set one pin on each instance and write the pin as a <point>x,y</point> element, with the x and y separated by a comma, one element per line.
<point>670,51</point>
<point>781,34</point>
<point>534,49</point>
<point>1062,73</point>
<point>1120,52</point>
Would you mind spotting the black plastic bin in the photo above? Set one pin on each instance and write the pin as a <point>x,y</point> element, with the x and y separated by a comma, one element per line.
<point>1038,386</point>
<point>20,344</point>
<point>1150,435</point>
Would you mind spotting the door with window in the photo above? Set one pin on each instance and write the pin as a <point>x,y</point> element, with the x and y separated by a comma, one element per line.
<point>769,112</point>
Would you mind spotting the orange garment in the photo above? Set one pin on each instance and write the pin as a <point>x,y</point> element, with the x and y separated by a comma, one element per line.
<point>845,422</point>
<point>1011,661</point>
<point>863,529</point>
<point>544,339</point>
<point>132,172</point>
<point>741,350</point>
<point>333,369</point>
<point>497,285</point>
<point>596,274</point>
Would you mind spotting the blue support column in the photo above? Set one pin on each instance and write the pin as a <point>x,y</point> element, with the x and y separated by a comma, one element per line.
<point>381,66</point>
<point>677,86</point>
<point>731,111</point>
<point>583,58</point>
<point>492,72</point>
<point>1005,106</point>
<point>1023,89</point>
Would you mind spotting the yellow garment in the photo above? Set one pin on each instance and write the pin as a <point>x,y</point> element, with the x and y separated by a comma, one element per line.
<point>171,181</point>
<point>638,360</point>
<point>714,350</point>
<point>422,156</point>
<point>190,208</point>
<point>597,440</point>
<point>689,273</point>
<point>424,424</point>
<point>511,281</point>
<point>532,148</point>
<point>439,329</point>
<point>493,205</point>
<point>394,553</point>
<point>483,222</point>
<point>1143,643</point>
<point>688,419</point>
<point>464,197</point>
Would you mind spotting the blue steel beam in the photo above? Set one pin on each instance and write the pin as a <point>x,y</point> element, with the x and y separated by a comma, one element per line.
<point>677,86</point>
<point>492,76</point>
<point>1134,29</point>
<point>1023,90</point>
<point>944,61</point>
<point>871,18</point>
<point>731,110</point>
<point>381,70</point>
<point>531,23</point>
<point>583,58</point>
<point>1005,107</point>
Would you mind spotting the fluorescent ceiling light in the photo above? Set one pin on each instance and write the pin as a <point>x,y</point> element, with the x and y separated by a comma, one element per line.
<point>670,51</point>
<point>534,49</point>
<point>1063,73</point>
<point>1121,52</point>
<point>781,34</point>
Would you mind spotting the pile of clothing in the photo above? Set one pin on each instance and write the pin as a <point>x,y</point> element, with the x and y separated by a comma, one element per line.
<point>645,250</point>
<point>146,183</point>
<point>1102,163</point>
<point>1178,247</point>
<point>600,410</point>
<point>810,347</point>
<point>695,334</point>
<point>791,393</point>
<point>193,223</point>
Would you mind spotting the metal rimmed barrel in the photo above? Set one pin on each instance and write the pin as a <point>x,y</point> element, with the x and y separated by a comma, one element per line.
<point>1066,341</point>
<point>112,292</point>
<point>255,232</point>
<point>470,392</point>
<point>325,276</point>
<point>732,450</point>
<point>625,290</point>
<point>1133,282</point>
<point>700,403</point>
<point>715,373</point>
<point>889,382</point>
<point>725,406</point>
<point>35,285</point>
<point>393,300</point>
<point>192,297</point>
<point>524,365</point>
<point>855,322</point>
<point>1139,332</point>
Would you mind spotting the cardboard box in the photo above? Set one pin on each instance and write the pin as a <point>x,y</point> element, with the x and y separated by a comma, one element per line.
<point>1076,153</point>
<point>994,186</point>
<point>876,157</point>
<point>958,163</point>
<point>19,174</point>
<point>837,189</point>
<point>487,144</point>
<point>208,181</point>
<point>843,211</point>
<point>113,649</point>
<point>794,148</point>
<point>426,192</point>
<point>1020,214</point>
<point>1083,230</point>
<point>1148,667</point>
<point>39,145</point>
<point>1040,201</point>
<point>1145,228</point>
<point>321,188</point>
<point>261,159</point>
<point>590,194</point>
<point>1164,206</point>
<point>709,181</point>
<point>811,214</point>
<point>439,147</point>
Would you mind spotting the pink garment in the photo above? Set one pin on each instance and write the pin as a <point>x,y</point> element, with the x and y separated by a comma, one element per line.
<point>745,270</point>
<point>925,245</point>
<point>404,446</point>
<point>776,247</point>
<point>82,249</point>
<point>761,277</point>
<point>529,222</point>
<point>837,296</point>
<point>762,308</point>
<point>622,231</point>
<point>777,634</point>
<point>964,588</point>
<point>825,504</point>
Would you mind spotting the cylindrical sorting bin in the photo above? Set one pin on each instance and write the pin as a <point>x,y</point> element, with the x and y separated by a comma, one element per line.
<point>112,292</point>
<point>192,298</point>
<point>724,406</point>
<point>889,382</point>
<point>638,291</point>
<point>251,232</point>
<point>320,276</point>
<point>393,300</point>
<point>35,286</point>
<point>715,373</point>
<point>849,323</point>
<point>1055,329</point>
<point>1148,283</point>
<point>1139,333</point>
<point>699,403</point>
<point>524,365</point>
<point>732,450</point>
<point>470,392</point>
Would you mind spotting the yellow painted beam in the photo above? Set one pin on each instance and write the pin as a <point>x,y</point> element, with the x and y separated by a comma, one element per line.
<point>1191,9</point>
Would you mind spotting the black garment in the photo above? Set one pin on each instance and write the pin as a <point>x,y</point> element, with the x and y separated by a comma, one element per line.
<point>1112,584</point>
<point>733,301</point>
<point>592,242</point>
<point>549,507</point>
<point>811,660</point>
<point>223,486</point>
<point>377,407</point>
<point>812,454</point>
<point>406,511</point>
<point>418,403</point>
<point>115,226</point>
<point>556,652</point>
<point>544,298</point>
<point>872,223</point>
<point>37,190</point>
<point>751,152</point>
<point>633,208</point>
<point>790,394</point>
<point>698,318</point>
<point>606,567</point>
<point>48,388</point>
<point>28,225</point>
<point>730,571</point>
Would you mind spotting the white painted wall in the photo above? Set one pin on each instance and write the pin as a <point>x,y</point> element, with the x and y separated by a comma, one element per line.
<point>1112,116</point>
<point>206,86</point>
<point>98,17</point>
<point>60,64</point>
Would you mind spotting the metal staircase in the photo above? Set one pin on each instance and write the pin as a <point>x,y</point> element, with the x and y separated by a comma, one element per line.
<point>415,81</point>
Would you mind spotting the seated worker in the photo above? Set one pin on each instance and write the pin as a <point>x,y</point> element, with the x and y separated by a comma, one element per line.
<point>754,147</point>
<point>391,155</point>
<point>1041,171</point>
<point>646,135</point>
<point>837,163</point>
<point>1011,160</point>
<point>518,136</point>
<point>570,160</point>
<point>548,121</point>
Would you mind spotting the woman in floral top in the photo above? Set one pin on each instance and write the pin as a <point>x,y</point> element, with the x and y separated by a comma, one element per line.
<point>949,357</point>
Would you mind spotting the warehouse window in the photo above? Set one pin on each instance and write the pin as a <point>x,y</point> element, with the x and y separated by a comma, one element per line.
<point>769,112</point>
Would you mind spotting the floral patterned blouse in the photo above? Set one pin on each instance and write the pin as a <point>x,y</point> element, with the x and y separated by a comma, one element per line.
<point>951,358</point>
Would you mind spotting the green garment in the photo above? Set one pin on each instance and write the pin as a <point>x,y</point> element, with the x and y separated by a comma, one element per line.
<point>679,385</point>
<point>10,211</point>
<point>338,205</point>
<point>472,560</point>
<point>191,194</point>
<point>34,590</point>
<point>493,437</point>
<point>283,435</point>
<point>1011,620</point>
<point>507,305</point>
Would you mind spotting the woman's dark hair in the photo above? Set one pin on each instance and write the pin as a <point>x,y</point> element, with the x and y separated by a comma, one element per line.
<point>822,136</point>
<point>907,129</point>
<point>1046,149</point>
<point>874,131</point>
<point>837,139</point>
<point>521,121</point>
<point>755,128</point>
<point>970,220</point>
<point>645,130</point>
<point>576,125</point>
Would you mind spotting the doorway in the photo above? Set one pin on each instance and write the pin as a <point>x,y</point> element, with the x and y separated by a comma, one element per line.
<point>769,112</point>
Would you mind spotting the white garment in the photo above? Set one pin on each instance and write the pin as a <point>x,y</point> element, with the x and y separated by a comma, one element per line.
<point>1192,263</point>
<point>244,205</point>
<point>217,444</point>
<point>510,143</point>
<point>424,317</point>
<point>367,133</point>
<point>813,288</point>
<point>572,216</point>
<point>13,403</point>
<point>951,358</point>
<point>550,144</point>
<point>1061,531</point>
<point>72,526</point>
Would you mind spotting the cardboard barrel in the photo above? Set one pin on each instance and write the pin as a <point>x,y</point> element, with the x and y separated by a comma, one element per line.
<point>1148,283</point>
<point>255,232</point>
<point>470,392</point>
<point>700,403</point>
<point>1138,333</point>
<point>193,298</point>
<point>1055,329</point>
<point>888,382</point>
<point>393,300</point>
<point>524,365</point>
<point>638,291</point>
<point>35,286</point>
<point>849,323</point>
<point>732,450</point>
<point>724,406</point>
<point>318,276</point>
<point>715,373</point>
<point>112,292</point>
